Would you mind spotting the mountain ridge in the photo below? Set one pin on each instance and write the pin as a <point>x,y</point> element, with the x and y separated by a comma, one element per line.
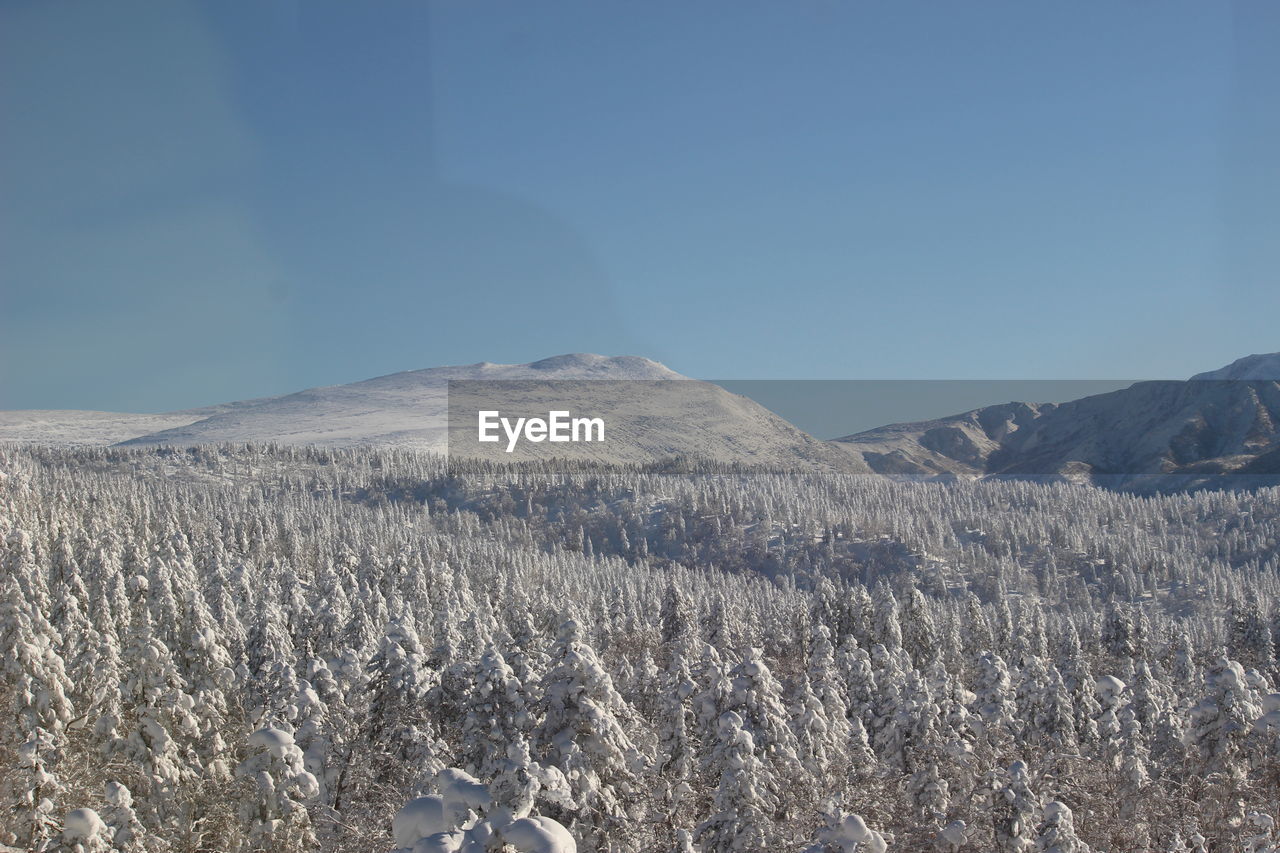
<point>1258,366</point>
<point>1156,435</point>
<point>1219,428</point>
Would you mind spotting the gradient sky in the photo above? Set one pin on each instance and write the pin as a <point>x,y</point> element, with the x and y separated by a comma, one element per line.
<point>213,201</point>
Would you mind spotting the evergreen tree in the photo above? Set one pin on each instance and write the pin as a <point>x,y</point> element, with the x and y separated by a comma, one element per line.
<point>275,813</point>
<point>582,733</point>
<point>1057,831</point>
<point>745,800</point>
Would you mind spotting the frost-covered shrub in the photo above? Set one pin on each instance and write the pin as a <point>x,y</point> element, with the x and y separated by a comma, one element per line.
<point>848,833</point>
<point>274,810</point>
<point>462,818</point>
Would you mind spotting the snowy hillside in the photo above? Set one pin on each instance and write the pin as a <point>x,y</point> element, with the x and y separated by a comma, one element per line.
<point>88,429</point>
<point>1152,435</point>
<point>1250,367</point>
<point>405,410</point>
<point>70,428</point>
<point>401,409</point>
<point>409,411</point>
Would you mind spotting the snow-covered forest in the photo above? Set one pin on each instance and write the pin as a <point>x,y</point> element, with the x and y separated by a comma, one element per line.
<point>251,648</point>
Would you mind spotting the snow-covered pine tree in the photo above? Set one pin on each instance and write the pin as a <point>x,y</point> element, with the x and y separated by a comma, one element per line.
<point>1015,810</point>
<point>278,785</point>
<point>400,727</point>
<point>1057,832</point>
<point>582,733</point>
<point>35,711</point>
<point>745,801</point>
<point>496,713</point>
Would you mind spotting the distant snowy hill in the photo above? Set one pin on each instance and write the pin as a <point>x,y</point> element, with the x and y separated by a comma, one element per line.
<point>1250,367</point>
<point>409,410</point>
<point>399,410</point>
<point>70,428</point>
<point>1152,435</point>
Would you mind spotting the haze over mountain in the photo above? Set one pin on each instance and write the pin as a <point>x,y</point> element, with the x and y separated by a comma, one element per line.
<point>1150,436</point>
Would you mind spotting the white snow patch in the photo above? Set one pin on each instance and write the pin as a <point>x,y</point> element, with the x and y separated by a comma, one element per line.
<point>419,819</point>
<point>538,835</point>
<point>276,741</point>
<point>83,825</point>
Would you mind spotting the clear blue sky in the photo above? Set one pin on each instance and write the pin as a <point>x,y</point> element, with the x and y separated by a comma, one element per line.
<point>212,201</point>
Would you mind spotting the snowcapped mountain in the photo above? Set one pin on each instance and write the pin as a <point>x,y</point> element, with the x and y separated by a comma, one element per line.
<point>1150,436</point>
<point>409,410</point>
<point>1250,367</point>
<point>406,409</point>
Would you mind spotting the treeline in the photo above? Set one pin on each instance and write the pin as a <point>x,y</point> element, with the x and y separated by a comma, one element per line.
<point>670,657</point>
